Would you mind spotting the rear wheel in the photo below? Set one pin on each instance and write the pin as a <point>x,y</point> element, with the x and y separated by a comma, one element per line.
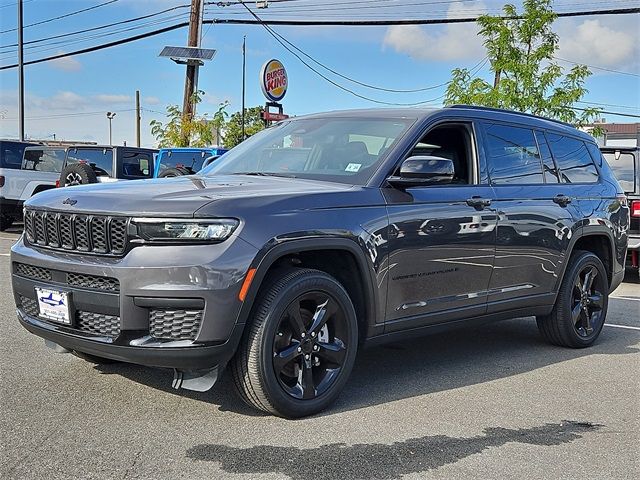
<point>300,346</point>
<point>174,172</point>
<point>578,316</point>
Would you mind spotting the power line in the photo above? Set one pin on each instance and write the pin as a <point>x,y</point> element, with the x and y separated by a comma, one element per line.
<point>63,16</point>
<point>100,27</point>
<point>417,21</point>
<point>599,68</point>
<point>608,112</point>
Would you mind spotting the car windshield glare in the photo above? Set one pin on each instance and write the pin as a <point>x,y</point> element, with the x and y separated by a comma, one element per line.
<point>345,150</point>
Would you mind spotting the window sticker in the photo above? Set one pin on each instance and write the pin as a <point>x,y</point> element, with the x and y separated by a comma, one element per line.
<point>353,167</point>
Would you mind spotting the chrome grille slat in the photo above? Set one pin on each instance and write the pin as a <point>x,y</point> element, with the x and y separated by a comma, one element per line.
<point>100,234</point>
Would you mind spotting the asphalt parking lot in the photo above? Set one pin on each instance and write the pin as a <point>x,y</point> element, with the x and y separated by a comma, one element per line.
<point>494,402</point>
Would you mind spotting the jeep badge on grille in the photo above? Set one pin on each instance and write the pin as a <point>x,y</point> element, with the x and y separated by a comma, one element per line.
<point>69,201</point>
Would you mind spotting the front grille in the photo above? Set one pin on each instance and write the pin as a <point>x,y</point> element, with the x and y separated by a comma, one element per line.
<point>99,323</point>
<point>81,280</point>
<point>31,271</point>
<point>82,233</point>
<point>90,322</point>
<point>175,324</point>
<point>29,306</point>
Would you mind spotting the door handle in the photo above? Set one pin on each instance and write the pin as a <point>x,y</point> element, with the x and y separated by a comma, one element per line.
<point>478,202</point>
<point>562,200</point>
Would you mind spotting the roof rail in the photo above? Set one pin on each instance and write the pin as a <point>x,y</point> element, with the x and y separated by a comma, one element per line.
<point>492,109</point>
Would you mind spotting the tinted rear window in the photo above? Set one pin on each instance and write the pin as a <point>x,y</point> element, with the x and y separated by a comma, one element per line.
<point>512,155</point>
<point>101,159</point>
<point>623,165</point>
<point>573,159</point>
<point>11,154</point>
<point>44,160</point>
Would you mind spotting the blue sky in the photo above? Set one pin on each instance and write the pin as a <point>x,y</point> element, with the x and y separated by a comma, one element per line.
<point>69,97</point>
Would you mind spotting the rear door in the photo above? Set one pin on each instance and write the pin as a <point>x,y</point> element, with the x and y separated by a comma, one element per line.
<point>536,218</point>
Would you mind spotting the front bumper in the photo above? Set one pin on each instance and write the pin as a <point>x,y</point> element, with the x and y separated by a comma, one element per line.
<point>162,306</point>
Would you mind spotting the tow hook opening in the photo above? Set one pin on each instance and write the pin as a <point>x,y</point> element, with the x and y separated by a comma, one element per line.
<point>196,380</point>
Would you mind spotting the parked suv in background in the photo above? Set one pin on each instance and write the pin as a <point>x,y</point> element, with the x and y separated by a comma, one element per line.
<point>100,164</point>
<point>625,163</point>
<point>174,162</point>
<point>323,233</point>
<point>10,161</point>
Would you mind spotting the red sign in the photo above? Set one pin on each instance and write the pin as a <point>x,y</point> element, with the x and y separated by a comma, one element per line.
<point>274,117</point>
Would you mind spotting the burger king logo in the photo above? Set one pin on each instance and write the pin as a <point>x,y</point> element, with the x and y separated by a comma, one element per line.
<point>273,79</point>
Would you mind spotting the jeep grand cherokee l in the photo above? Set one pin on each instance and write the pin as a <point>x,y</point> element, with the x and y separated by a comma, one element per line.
<point>324,233</point>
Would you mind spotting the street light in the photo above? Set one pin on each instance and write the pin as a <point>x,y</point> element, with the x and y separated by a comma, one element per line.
<point>110,116</point>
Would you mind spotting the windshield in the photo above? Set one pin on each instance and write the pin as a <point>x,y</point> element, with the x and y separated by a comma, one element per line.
<point>623,166</point>
<point>180,159</point>
<point>345,150</point>
<point>101,159</point>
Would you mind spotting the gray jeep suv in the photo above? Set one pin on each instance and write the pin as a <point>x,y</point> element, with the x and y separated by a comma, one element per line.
<point>322,234</point>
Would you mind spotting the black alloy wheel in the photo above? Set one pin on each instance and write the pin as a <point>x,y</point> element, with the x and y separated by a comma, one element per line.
<point>309,348</point>
<point>581,305</point>
<point>588,300</point>
<point>299,345</point>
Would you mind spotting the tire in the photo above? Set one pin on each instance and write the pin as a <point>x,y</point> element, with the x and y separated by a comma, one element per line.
<point>77,174</point>
<point>281,389</point>
<point>174,172</point>
<point>94,358</point>
<point>569,324</point>
<point>5,222</point>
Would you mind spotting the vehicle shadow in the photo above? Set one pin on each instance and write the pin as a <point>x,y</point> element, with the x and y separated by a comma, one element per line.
<point>420,366</point>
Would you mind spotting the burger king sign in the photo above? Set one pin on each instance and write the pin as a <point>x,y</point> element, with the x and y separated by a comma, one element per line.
<point>273,79</point>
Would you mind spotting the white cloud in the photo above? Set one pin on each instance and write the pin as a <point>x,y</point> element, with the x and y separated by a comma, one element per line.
<point>607,41</point>
<point>151,100</point>
<point>113,98</point>
<point>66,64</point>
<point>456,41</point>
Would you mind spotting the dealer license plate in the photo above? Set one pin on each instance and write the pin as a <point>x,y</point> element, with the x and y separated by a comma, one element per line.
<point>54,305</point>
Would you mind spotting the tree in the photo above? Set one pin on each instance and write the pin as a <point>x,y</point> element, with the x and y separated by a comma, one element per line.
<point>521,48</point>
<point>184,131</point>
<point>233,127</point>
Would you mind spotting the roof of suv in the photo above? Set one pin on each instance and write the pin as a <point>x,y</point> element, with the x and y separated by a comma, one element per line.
<point>485,112</point>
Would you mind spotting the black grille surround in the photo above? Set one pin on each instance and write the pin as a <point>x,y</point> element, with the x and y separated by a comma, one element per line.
<point>82,233</point>
<point>174,324</point>
<point>88,322</point>
<point>68,279</point>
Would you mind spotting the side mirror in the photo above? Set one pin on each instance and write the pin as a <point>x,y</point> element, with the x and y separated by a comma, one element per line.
<point>423,170</point>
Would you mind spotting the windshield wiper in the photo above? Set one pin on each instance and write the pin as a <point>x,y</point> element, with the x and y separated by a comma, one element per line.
<point>266,174</point>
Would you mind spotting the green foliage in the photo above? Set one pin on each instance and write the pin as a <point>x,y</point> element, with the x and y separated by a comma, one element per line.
<point>189,131</point>
<point>527,78</point>
<point>233,128</point>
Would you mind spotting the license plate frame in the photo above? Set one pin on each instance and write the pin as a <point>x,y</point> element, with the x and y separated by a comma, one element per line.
<point>54,305</point>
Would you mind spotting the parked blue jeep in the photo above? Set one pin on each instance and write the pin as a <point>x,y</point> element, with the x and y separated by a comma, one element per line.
<point>173,162</point>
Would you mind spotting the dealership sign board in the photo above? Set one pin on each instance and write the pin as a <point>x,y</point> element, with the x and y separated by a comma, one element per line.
<point>273,80</point>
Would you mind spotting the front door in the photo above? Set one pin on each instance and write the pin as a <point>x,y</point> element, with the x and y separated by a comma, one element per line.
<point>441,239</point>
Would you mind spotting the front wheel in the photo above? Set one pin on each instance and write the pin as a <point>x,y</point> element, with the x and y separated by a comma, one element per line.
<point>578,316</point>
<point>300,345</point>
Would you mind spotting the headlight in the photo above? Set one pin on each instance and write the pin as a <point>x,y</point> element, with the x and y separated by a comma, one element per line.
<point>185,230</point>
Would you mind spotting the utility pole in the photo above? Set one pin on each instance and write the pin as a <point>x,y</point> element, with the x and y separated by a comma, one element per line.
<point>191,80</point>
<point>244,72</point>
<point>20,74</point>
<point>137,118</point>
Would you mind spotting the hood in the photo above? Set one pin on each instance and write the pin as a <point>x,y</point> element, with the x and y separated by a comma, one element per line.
<point>174,197</point>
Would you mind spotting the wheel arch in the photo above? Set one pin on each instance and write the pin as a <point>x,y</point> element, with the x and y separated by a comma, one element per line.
<point>336,257</point>
<point>598,241</point>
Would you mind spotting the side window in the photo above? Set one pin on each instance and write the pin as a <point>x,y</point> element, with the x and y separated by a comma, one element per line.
<point>512,155</point>
<point>450,141</point>
<point>43,160</point>
<point>573,159</point>
<point>550,170</point>
<point>136,164</point>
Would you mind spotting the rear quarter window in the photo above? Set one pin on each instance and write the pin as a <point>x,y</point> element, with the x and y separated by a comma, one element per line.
<point>573,159</point>
<point>43,160</point>
<point>623,165</point>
